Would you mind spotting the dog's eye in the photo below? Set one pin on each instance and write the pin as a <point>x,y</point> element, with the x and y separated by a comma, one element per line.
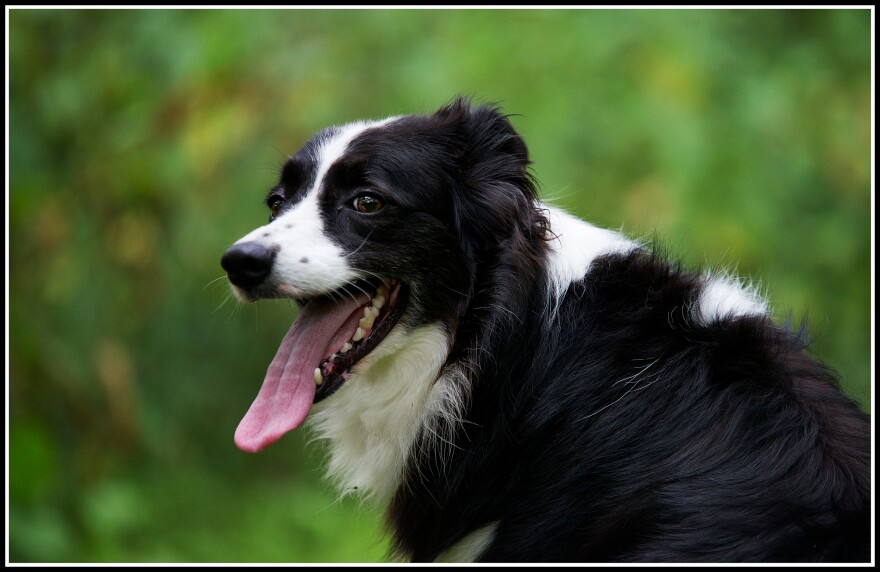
<point>275,207</point>
<point>366,204</point>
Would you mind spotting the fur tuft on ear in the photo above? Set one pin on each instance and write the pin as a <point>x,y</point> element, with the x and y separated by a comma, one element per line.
<point>497,200</point>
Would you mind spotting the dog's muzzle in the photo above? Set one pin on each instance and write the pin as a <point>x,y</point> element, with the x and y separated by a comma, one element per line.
<point>249,263</point>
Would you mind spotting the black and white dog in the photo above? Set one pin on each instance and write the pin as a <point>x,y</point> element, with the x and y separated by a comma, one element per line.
<point>518,385</point>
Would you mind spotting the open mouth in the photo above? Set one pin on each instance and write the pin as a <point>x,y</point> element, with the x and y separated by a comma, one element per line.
<point>360,334</point>
<point>330,336</point>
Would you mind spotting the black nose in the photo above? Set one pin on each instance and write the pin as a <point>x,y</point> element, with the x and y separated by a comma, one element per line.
<point>247,264</point>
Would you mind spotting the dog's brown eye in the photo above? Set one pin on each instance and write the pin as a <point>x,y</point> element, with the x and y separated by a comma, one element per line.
<point>367,204</point>
<point>275,207</point>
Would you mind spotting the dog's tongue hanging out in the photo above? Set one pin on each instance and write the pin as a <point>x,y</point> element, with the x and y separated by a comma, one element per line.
<point>289,387</point>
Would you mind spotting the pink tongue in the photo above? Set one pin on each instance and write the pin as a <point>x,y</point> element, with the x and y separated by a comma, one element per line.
<point>289,387</point>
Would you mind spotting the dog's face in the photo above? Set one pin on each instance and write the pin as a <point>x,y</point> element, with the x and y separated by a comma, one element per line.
<point>373,227</point>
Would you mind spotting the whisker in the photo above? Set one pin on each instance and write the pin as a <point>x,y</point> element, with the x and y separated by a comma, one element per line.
<point>221,277</point>
<point>342,292</point>
<point>353,285</point>
<point>361,245</point>
<point>333,296</point>
<point>373,274</point>
<point>235,309</point>
<point>223,303</point>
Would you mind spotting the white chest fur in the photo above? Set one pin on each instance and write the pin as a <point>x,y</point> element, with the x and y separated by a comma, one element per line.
<point>373,420</point>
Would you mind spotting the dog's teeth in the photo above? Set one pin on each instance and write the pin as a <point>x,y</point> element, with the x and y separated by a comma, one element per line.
<point>375,312</point>
<point>345,347</point>
<point>369,317</point>
<point>382,291</point>
<point>358,335</point>
<point>378,301</point>
<point>319,378</point>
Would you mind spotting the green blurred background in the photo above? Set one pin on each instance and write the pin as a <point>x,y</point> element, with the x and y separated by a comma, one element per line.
<point>142,143</point>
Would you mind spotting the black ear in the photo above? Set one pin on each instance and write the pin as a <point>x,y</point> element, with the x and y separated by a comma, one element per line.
<point>496,198</point>
<point>485,130</point>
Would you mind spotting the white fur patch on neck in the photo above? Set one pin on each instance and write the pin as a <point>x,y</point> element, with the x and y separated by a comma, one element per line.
<point>471,546</point>
<point>372,421</point>
<point>724,296</point>
<point>574,245</point>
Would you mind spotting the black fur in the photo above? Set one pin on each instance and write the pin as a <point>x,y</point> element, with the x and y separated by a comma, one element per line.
<point>726,444</point>
<point>623,430</point>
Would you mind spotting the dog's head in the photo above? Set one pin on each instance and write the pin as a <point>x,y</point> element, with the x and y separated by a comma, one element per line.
<point>376,226</point>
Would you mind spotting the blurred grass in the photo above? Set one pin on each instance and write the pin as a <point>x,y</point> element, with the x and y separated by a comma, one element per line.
<point>142,142</point>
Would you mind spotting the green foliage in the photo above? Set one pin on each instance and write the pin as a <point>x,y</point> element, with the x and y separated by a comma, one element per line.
<point>142,143</point>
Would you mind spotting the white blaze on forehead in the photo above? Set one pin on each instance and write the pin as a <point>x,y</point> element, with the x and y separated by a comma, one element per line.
<point>334,148</point>
<point>308,261</point>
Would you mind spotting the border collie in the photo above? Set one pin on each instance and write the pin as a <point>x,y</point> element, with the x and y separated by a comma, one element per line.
<point>515,384</point>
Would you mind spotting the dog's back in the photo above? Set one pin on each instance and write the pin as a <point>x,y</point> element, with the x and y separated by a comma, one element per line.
<point>635,427</point>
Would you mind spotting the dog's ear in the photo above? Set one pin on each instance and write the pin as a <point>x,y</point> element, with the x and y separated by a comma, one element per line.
<point>496,197</point>
<point>485,133</point>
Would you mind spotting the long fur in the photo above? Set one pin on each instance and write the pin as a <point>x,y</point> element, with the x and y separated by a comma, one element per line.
<point>558,392</point>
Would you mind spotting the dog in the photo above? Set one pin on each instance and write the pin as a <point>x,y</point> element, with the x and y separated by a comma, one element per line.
<point>517,385</point>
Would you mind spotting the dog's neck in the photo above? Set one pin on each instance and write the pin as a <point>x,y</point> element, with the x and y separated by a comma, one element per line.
<point>373,421</point>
